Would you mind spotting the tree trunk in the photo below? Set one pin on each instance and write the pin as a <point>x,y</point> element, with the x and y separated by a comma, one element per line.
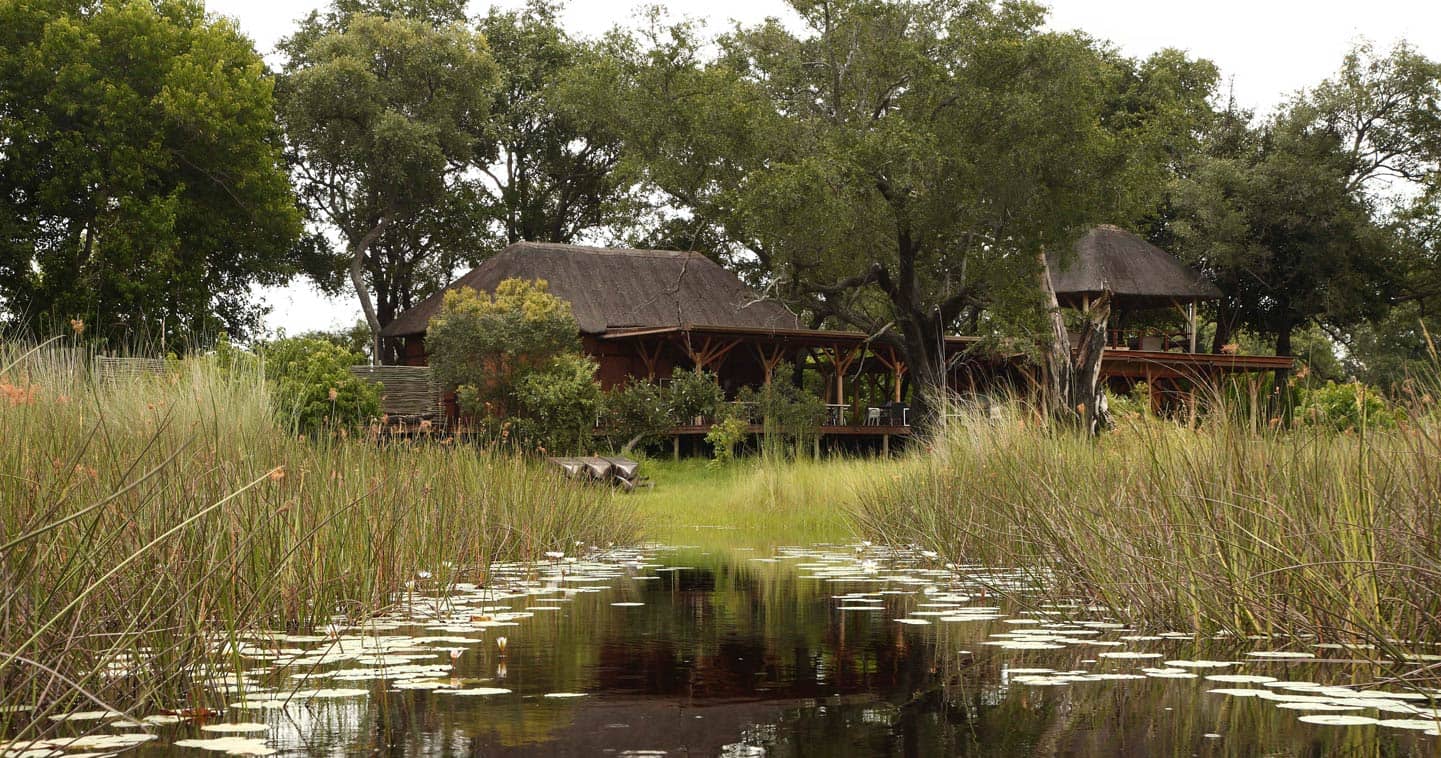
<point>1086,390</point>
<point>1283,341</point>
<point>1280,392</point>
<point>1073,388</point>
<point>926,359</point>
<point>1056,395</point>
<point>1222,338</point>
<point>357,279</point>
<point>632,442</point>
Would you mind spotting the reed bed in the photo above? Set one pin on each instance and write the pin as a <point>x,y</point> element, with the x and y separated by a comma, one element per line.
<point>147,518</point>
<point>1220,528</point>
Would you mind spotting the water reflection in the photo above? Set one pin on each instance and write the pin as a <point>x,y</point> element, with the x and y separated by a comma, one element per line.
<point>689,652</point>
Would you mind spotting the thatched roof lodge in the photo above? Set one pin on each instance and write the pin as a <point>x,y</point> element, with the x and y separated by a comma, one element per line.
<point>1135,272</point>
<point>618,288</point>
<point>643,313</point>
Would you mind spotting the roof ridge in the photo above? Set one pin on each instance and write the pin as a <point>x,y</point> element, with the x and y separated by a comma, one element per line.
<point>598,250</point>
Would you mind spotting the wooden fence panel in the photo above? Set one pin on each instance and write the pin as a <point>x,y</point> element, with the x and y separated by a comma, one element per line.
<point>405,390</point>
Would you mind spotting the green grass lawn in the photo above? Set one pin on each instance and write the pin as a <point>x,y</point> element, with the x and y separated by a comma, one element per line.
<point>754,502</point>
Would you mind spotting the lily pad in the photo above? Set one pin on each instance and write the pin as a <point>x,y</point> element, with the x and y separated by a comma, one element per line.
<point>1337,719</point>
<point>229,745</point>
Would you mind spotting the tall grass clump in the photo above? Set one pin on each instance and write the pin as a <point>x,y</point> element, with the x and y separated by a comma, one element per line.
<point>1231,526</point>
<point>145,519</point>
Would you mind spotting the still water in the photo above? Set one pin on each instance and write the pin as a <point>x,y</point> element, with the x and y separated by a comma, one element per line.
<point>816,651</point>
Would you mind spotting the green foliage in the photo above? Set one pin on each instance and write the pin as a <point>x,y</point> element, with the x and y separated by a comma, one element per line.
<point>552,175</point>
<point>1302,218</point>
<point>637,413</point>
<point>314,387</point>
<point>231,359</point>
<point>514,359</point>
<point>1271,214</point>
<point>894,166</point>
<point>1351,406</point>
<point>724,435</point>
<point>1394,352</point>
<point>142,185</point>
<point>1133,404</point>
<point>356,339</point>
<point>562,403</point>
<point>380,110</point>
<point>488,342</point>
<point>790,417</point>
<point>694,394</point>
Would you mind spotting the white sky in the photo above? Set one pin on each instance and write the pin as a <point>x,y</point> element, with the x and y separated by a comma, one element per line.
<point>1266,49</point>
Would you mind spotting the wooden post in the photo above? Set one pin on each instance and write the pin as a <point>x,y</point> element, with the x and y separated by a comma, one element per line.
<point>648,358</point>
<point>1191,322</point>
<point>769,360</point>
<point>675,447</point>
<point>886,445</point>
<point>710,354</point>
<point>897,365</point>
<point>842,361</point>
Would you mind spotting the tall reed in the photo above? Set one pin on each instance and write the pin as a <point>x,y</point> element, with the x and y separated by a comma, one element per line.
<point>1225,527</point>
<point>145,519</point>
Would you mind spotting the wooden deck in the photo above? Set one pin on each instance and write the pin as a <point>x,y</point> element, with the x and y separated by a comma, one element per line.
<point>1152,364</point>
<point>852,430</point>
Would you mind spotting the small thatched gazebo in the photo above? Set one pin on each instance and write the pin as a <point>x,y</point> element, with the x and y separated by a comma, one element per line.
<point>1139,276</point>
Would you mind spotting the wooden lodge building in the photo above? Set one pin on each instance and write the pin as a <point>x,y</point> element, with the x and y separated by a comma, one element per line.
<point>643,313</point>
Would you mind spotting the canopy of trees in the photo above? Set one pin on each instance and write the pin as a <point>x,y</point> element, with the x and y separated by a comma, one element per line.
<point>1298,218</point>
<point>891,166</point>
<point>142,186</point>
<point>379,110</point>
<point>895,167</point>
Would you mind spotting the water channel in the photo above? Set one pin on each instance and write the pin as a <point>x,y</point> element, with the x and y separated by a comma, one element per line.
<point>791,651</point>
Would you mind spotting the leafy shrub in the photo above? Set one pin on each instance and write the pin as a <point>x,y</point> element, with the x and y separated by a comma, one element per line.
<point>487,343</point>
<point>561,403</point>
<point>230,358</point>
<point>1136,403</point>
<point>314,386</point>
<point>694,394</point>
<point>790,416</point>
<point>724,435</point>
<point>514,361</point>
<point>638,412</point>
<point>1348,406</point>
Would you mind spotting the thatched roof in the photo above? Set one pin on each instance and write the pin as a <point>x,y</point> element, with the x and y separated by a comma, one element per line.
<point>1136,272</point>
<point>618,288</point>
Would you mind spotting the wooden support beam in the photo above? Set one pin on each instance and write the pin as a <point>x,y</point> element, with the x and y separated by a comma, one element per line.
<point>842,361</point>
<point>649,357</point>
<point>1191,323</point>
<point>893,361</point>
<point>770,358</point>
<point>711,352</point>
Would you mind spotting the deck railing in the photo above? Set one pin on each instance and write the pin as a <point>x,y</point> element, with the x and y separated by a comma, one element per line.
<point>1151,340</point>
<point>837,415</point>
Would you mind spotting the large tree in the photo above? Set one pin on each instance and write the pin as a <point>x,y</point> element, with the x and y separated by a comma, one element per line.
<point>1270,214</point>
<point>383,102</point>
<point>895,166</point>
<point>531,170</point>
<point>548,177</point>
<point>142,186</point>
<point>1319,213</point>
